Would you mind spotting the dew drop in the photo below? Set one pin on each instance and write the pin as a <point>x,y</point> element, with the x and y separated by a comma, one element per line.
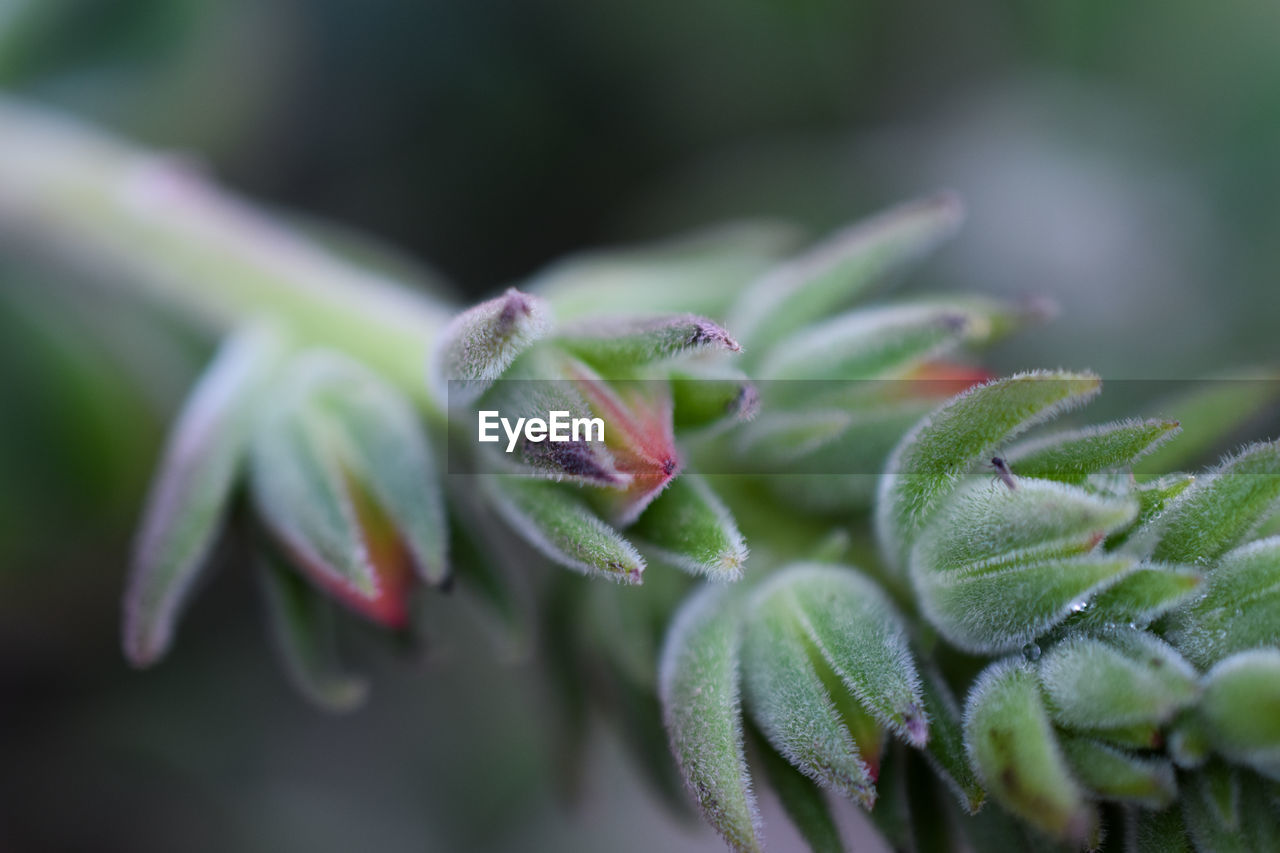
<point>1031,652</point>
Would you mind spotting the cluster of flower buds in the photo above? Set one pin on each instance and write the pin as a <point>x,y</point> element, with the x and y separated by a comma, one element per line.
<point>1081,651</point>
<point>347,485</point>
<point>1133,631</point>
<point>1154,695</point>
<point>1146,593</point>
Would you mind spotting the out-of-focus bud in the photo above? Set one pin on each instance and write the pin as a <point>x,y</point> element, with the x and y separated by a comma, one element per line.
<point>302,626</point>
<point>892,342</point>
<point>700,273</point>
<point>834,272</point>
<point>342,477</point>
<point>192,488</point>
<point>940,379</point>
<point>1148,831</point>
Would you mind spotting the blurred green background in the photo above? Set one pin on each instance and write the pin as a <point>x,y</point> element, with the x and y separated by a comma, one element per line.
<point>1120,157</point>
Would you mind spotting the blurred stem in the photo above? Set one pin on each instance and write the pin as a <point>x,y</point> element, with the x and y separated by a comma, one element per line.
<point>154,224</point>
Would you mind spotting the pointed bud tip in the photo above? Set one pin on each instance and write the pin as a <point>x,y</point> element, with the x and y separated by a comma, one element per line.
<point>706,333</point>
<point>1037,308</point>
<point>142,652</point>
<point>728,566</point>
<point>917,725</point>
<point>866,796</point>
<point>746,405</point>
<point>947,202</point>
<point>514,306</point>
<point>955,322</point>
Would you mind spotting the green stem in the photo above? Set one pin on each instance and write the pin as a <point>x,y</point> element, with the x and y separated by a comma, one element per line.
<point>153,223</point>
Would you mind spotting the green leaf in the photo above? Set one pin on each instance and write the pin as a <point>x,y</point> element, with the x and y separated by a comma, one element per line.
<point>1212,811</point>
<point>1152,497</point>
<point>307,487</point>
<point>1140,597</point>
<point>698,689</point>
<point>1140,736</point>
<point>1117,775</point>
<point>488,571</point>
<point>1011,744</point>
<point>1148,831</point>
<point>637,715</point>
<point>342,476</point>
<point>1070,457</point>
<point>689,527</point>
<point>622,625</point>
<point>896,800</point>
<point>701,273</point>
<point>801,799</point>
<point>998,566</point>
<point>385,446</point>
<point>1188,742</point>
<point>302,627</point>
<point>703,396</point>
<point>1221,509</point>
<point>558,523</point>
<point>299,490</point>
<point>839,269</point>
<point>1239,610</point>
<point>870,344</point>
<point>779,439</point>
<point>1122,678</point>
<point>617,346</point>
<point>479,344</point>
<point>850,622</point>
<point>843,472</point>
<point>1241,709</point>
<point>1210,413</point>
<point>988,526</point>
<point>891,341</point>
<point>930,462</point>
<point>945,750</point>
<point>788,700</point>
<point>1007,608</point>
<point>191,490</point>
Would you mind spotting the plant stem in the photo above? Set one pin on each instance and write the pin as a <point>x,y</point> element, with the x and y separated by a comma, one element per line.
<point>153,223</point>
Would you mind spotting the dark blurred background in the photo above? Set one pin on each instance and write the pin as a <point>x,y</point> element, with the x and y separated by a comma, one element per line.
<point>1121,157</point>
